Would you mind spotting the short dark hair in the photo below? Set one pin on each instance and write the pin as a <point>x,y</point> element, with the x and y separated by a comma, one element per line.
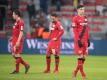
<point>80,6</point>
<point>17,12</point>
<point>54,14</point>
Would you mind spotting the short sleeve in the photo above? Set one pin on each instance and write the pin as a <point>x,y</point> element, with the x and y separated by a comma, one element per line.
<point>21,25</point>
<point>59,26</point>
<point>74,23</point>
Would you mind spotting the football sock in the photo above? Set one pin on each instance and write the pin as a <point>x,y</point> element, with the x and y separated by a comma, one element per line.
<point>23,62</point>
<point>17,64</point>
<point>48,62</point>
<point>57,60</point>
<point>77,69</point>
<point>80,65</point>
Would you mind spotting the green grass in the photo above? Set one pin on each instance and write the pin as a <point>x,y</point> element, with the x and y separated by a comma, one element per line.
<point>95,67</point>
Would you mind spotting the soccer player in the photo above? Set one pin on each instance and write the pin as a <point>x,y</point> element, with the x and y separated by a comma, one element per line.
<point>17,42</point>
<point>81,39</point>
<point>56,32</point>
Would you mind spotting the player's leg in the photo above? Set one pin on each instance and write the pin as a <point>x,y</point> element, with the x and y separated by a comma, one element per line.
<point>26,65</point>
<point>81,59</point>
<point>22,61</point>
<point>56,52</point>
<point>84,77</point>
<point>57,60</point>
<point>85,53</point>
<point>17,55</point>
<point>48,60</point>
<point>17,60</point>
<point>48,63</point>
<point>77,52</point>
<point>76,70</point>
<point>17,63</point>
<point>80,65</point>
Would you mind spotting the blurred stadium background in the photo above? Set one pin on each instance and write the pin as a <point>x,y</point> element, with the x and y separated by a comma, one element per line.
<point>36,15</point>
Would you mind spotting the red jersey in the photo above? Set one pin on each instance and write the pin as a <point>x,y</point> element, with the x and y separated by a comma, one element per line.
<point>78,23</point>
<point>56,30</point>
<point>18,26</point>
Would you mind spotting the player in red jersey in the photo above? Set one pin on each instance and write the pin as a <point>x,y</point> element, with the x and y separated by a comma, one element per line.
<point>56,32</point>
<point>81,39</point>
<point>17,42</point>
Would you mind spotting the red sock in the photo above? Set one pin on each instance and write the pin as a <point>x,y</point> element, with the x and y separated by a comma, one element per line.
<point>57,60</point>
<point>81,68</point>
<point>23,62</point>
<point>17,64</point>
<point>76,70</point>
<point>48,62</point>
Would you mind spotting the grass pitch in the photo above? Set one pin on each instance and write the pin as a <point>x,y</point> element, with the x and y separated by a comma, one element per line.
<point>95,67</point>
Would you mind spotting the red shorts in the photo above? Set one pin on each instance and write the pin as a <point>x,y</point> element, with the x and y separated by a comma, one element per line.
<point>54,45</point>
<point>19,49</point>
<point>83,50</point>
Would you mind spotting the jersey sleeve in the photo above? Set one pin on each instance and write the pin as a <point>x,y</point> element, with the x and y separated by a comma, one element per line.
<point>88,36</point>
<point>21,25</point>
<point>61,30</point>
<point>75,26</point>
<point>74,22</point>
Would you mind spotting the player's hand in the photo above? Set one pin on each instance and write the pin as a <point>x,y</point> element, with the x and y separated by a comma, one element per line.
<point>88,43</point>
<point>14,49</point>
<point>54,39</point>
<point>80,43</point>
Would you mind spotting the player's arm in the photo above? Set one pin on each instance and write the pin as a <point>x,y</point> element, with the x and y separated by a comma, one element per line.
<point>50,28</point>
<point>74,26</point>
<point>61,31</point>
<point>88,37</point>
<point>20,35</point>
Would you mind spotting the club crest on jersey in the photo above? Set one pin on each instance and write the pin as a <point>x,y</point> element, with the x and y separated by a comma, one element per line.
<point>52,27</point>
<point>73,24</point>
<point>61,27</point>
<point>14,25</point>
<point>85,20</point>
<point>82,24</point>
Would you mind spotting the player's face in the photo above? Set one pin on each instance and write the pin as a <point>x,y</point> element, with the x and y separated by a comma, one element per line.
<point>53,18</point>
<point>81,11</point>
<point>14,16</point>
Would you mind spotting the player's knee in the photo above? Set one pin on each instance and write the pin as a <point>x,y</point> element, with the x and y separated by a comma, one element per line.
<point>56,57</point>
<point>17,57</point>
<point>53,51</point>
<point>17,60</point>
<point>81,60</point>
<point>48,57</point>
